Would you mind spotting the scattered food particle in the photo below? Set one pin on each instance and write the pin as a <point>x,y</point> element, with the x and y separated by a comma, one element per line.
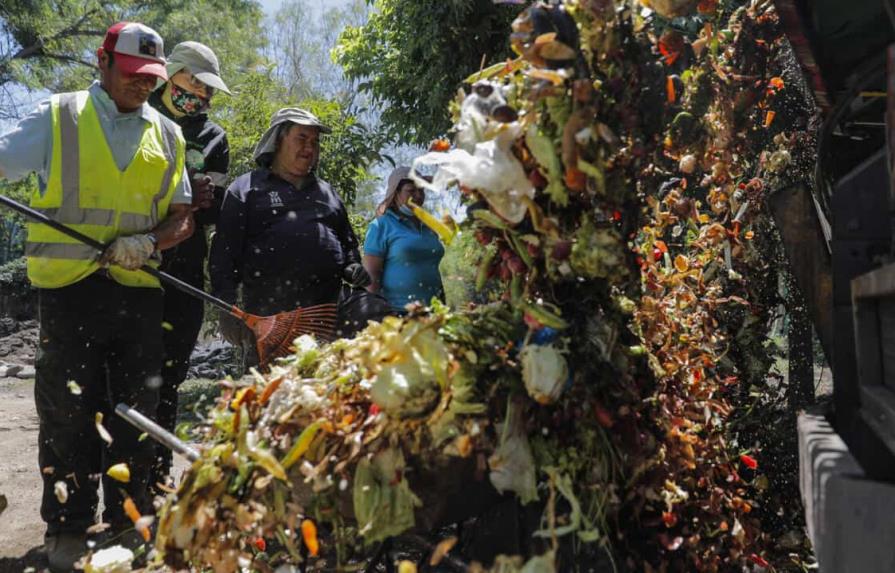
<point>443,548</point>
<point>103,432</point>
<point>309,536</point>
<point>120,472</point>
<point>60,488</point>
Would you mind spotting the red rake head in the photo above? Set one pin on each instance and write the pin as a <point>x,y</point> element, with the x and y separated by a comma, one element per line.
<point>274,335</point>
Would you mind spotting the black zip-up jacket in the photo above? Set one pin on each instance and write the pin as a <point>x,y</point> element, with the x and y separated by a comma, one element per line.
<point>286,246</point>
<point>207,151</point>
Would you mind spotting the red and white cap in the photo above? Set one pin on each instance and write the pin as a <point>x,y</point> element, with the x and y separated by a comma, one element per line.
<point>138,49</point>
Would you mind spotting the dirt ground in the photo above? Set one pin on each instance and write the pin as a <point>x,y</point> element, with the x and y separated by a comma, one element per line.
<point>21,528</point>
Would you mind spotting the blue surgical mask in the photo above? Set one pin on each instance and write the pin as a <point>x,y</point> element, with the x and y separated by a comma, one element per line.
<point>406,210</point>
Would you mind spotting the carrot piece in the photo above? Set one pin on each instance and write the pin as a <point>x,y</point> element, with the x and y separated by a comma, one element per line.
<point>769,117</point>
<point>440,145</point>
<point>309,536</point>
<point>270,389</point>
<point>130,508</point>
<point>669,89</point>
<point>575,179</point>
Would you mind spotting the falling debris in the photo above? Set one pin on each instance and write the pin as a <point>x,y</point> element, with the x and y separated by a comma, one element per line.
<point>120,472</point>
<point>130,509</point>
<point>60,489</point>
<point>103,432</point>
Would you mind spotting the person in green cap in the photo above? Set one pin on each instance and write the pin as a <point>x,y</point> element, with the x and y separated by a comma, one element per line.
<point>193,78</point>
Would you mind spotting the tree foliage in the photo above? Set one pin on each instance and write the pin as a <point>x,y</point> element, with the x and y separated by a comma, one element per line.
<point>12,229</point>
<point>51,44</point>
<point>411,55</point>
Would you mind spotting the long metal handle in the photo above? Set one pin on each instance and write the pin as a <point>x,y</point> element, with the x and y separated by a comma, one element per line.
<point>162,276</point>
<point>156,432</point>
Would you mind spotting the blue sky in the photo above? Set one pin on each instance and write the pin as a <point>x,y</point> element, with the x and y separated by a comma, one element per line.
<point>270,6</point>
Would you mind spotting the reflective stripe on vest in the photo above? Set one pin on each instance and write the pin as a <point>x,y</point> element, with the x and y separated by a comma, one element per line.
<point>60,251</point>
<point>71,212</point>
<point>104,201</point>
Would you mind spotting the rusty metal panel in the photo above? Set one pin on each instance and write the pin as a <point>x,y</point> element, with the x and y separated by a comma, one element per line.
<point>795,215</point>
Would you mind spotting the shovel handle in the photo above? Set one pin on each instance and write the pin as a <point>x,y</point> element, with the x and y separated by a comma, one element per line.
<point>35,215</point>
<point>156,432</point>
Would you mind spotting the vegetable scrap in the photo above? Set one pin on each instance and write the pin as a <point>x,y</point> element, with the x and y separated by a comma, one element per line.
<point>60,489</point>
<point>103,432</point>
<point>620,219</point>
<point>119,472</point>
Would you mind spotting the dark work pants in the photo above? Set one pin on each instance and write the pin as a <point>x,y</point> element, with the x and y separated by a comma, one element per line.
<point>107,339</point>
<point>182,321</point>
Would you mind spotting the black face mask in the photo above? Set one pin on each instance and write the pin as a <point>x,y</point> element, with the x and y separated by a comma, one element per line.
<point>187,103</point>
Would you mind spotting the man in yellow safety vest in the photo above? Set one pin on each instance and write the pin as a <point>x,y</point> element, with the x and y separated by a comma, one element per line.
<point>112,167</point>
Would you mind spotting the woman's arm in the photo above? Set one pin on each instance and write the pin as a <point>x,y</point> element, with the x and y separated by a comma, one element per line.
<point>225,257</point>
<point>374,266</point>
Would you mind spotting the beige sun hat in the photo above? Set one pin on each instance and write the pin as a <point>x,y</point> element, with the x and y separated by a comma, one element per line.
<point>268,143</point>
<point>200,61</point>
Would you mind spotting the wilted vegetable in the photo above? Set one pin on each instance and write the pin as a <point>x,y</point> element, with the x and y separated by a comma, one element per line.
<point>544,372</point>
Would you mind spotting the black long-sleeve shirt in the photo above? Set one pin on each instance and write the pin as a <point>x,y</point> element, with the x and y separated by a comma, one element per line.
<point>207,151</point>
<point>286,246</point>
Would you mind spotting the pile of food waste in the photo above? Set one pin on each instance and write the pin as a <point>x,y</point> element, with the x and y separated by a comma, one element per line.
<point>614,175</point>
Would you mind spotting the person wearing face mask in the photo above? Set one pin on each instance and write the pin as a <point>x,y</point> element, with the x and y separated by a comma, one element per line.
<point>112,167</point>
<point>193,78</point>
<point>400,253</point>
<point>283,235</point>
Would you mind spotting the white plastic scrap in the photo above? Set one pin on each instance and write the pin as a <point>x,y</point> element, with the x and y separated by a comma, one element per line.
<point>491,169</point>
<point>512,464</point>
<point>115,559</point>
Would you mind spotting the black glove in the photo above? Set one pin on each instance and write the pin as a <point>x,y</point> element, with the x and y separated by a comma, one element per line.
<point>356,275</point>
<point>234,330</point>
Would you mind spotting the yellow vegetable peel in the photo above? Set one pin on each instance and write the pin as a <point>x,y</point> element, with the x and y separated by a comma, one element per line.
<point>301,445</point>
<point>444,232</point>
<point>120,472</point>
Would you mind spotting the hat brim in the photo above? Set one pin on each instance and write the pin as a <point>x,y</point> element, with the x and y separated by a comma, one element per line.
<point>267,144</point>
<point>322,128</point>
<point>134,65</point>
<point>213,80</point>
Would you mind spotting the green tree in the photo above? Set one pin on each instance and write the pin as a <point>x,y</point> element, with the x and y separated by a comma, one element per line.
<point>12,228</point>
<point>51,44</point>
<point>411,55</point>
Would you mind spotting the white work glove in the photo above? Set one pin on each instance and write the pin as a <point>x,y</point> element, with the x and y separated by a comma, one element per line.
<point>129,253</point>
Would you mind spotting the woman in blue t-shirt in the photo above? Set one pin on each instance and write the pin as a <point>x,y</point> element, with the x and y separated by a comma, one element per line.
<point>400,253</point>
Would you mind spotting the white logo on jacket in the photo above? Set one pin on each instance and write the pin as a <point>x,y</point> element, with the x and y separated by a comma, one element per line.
<point>275,200</point>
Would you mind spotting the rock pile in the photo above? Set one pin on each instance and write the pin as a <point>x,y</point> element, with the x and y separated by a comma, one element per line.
<point>18,346</point>
<point>214,359</point>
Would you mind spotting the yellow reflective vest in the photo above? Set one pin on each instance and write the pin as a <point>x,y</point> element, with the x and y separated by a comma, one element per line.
<point>86,191</point>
